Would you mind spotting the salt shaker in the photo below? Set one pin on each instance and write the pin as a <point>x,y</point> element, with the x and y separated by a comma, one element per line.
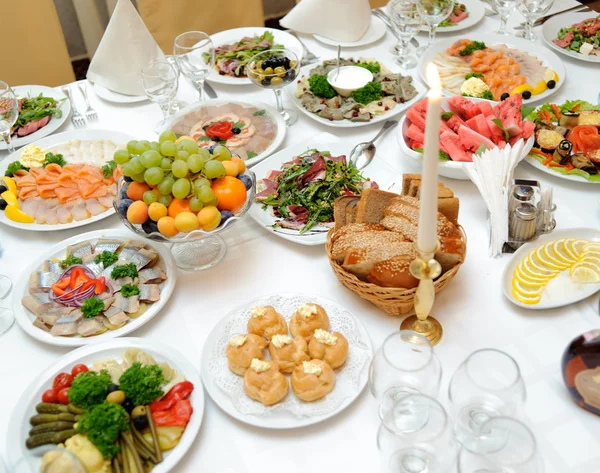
<point>519,195</point>
<point>522,225</point>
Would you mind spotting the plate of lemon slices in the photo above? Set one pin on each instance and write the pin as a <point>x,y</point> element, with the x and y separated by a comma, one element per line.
<point>555,270</point>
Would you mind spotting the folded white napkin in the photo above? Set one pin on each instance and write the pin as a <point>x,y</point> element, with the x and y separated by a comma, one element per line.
<point>126,47</point>
<point>339,20</point>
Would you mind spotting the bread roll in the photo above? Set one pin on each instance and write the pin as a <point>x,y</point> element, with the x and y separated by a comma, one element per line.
<point>369,239</point>
<point>393,273</point>
<point>360,262</point>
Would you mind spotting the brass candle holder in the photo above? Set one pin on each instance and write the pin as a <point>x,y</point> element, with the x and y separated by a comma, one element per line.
<point>425,268</point>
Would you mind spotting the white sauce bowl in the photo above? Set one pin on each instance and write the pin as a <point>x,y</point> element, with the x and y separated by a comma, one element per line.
<point>349,79</point>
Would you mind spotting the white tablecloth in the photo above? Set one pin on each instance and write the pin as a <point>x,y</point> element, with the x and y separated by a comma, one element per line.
<point>472,309</point>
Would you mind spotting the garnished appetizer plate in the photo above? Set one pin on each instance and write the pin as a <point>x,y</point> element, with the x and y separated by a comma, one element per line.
<point>235,47</point>
<point>43,111</point>
<point>71,181</point>
<point>466,14</point>
<point>567,34</point>
<point>375,32</point>
<point>328,355</point>
<point>93,287</point>
<point>491,66</point>
<point>155,384</point>
<point>385,94</point>
<point>557,269</point>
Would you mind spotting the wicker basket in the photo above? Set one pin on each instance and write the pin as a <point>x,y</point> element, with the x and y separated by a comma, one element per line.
<point>394,301</point>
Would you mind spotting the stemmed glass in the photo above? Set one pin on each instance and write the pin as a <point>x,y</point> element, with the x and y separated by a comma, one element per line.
<point>160,81</point>
<point>407,20</point>
<point>9,112</point>
<point>433,13</point>
<point>405,364</point>
<point>176,105</point>
<point>487,384</point>
<point>531,11</point>
<point>6,316</point>
<point>195,54</point>
<point>504,9</point>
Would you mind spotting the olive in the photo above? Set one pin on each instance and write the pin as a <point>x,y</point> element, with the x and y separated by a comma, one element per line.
<point>504,96</point>
<point>112,388</point>
<point>269,70</point>
<point>279,70</point>
<point>236,131</point>
<point>138,411</point>
<point>276,81</point>
<point>293,63</point>
<point>116,397</point>
<point>128,405</point>
<point>3,189</point>
<point>526,95</point>
<point>3,204</point>
<point>551,84</point>
<point>267,81</point>
<point>140,422</point>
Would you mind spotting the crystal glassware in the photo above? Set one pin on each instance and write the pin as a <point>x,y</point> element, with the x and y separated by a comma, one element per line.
<point>195,54</point>
<point>274,69</point>
<point>504,9</point>
<point>9,112</point>
<point>531,11</point>
<point>433,13</point>
<point>407,20</point>
<point>160,81</point>
<point>405,364</point>
<point>176,105</point>
<point>487,384</point>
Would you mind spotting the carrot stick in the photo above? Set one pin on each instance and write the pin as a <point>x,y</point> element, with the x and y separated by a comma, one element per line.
<point>576,107</point>
<point>569,166</point>
<point>556,111</point>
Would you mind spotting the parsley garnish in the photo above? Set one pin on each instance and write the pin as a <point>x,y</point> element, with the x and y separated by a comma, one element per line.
<point>128,290</point>
<point>260,113</point>
<point>124,270</point>
<point>92,306</point>
<point>108,168</point>
<point>70,261</point>
<point>106,258</point>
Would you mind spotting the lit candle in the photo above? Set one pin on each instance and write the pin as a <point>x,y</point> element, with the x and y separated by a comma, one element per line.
<point>427,236</point>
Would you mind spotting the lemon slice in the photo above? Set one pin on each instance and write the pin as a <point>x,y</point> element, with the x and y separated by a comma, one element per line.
<point>545,262</point>
<point>10,183</point>
<point>10,198</point>
<point>578,246</point>
<point>592,248</point>
<point>548,253</point>
<point>539,272</point>
<point>591,260</point>
<point>524,299</point>
<point>586,264</point>
<point>519,89</point>
<point>541,86</point>
<point>560,250</point>
<point>569,249</point>
<point>526,289</point>
<point>550,75</point>
<point>582,274</point>
<point>17,215</point>
<point>529,279</point>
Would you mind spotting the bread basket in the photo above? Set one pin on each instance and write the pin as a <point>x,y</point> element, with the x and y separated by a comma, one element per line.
<point>394,301</point>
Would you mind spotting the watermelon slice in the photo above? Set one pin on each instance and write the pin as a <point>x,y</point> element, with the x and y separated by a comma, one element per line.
<point>416,117</point>
<point>415,133</point>
<point>497,135</point>
<point>451,143</point>
<point>454,121</point>
<point>509,112</point>
<point>459,105</point>
<point>412,144</point>
<point>471,140</point>
<point>486,108</point>
<point>527,128</point>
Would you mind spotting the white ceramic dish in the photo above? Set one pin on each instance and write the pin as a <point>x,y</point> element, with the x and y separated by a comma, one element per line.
<point>115,97</point>
<point>561,290</point>
<point>234,35</point>
<point>55,122</point>
<point>569,177</point>
<point>551,28</point>
<point>291,413</point>
<point>475,9</point>
<point>25,318</point>
<point>550,60</point>
<point>375,32</point>
<point>48,143</point>
<point>18,454</point>
<point>377,171</point>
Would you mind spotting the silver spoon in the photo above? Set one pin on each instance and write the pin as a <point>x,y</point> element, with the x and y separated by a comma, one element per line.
<point>363,153</point>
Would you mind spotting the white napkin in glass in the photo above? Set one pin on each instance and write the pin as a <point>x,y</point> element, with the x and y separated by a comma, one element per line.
<point>339,20</point>
<point>126,47</point>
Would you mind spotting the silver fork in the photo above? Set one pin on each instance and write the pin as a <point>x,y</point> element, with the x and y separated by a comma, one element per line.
<point>90,113</point>
<point>77,118</point>
<point>307,56</point>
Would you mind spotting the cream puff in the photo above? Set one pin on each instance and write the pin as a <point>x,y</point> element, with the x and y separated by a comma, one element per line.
<point>266,322</point>
<point>288,351</point>
<point>264,383</point>
<point>313,380</point>
<point>307,319</point>
<point>329,347</point>
<point>241,349</point>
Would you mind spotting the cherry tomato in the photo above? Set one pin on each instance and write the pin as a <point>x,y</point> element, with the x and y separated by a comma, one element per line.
<point>79,369</point>
<point>62,380</point>
<point>49,396</point>
<point>63,396</point>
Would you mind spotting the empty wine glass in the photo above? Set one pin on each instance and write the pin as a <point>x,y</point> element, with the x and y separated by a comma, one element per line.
<point>502,444</point>
<point>415,436</point>
<point>160,82</point>
<point>531,11</point>
<point>9,112</point>
<point>433,13</point>
<point>7,318</point>
<point>404,364</point>
<point>504,9</point>
<point>487,384</point>
<point>195,54</point>
<point>176,105</point>
<point>407,20</point>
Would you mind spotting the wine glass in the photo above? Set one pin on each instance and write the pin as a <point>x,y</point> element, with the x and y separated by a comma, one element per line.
<point>274,69</point>
<point>502,444</point>
<point>195,54</point>
<point>407,20</point>
<point>504,9</point>
<point>176,105</point>
<point>9,112</point>
<point>487,384</point>
<point>160,81</point>
<point>531,11</point>
<point>7,318</point>
<point>404,364</point>
<point>433,13</point>
<point>415,436</point>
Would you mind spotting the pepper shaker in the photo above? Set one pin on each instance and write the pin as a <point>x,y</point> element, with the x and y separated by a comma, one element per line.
<point>522,226</point>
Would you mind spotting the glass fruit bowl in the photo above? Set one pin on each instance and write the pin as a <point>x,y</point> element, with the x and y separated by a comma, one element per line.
<point>195,250</point>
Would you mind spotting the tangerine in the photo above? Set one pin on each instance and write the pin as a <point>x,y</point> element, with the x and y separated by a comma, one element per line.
<point>135,190</point>
<point>177,206</point>
<point>231,193</point>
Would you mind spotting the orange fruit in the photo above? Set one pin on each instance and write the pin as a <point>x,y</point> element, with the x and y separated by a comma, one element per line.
<point>166,226</point>
<point>231,168</point>
<point>177,206</point>
<point>240,162</point>
<point>136,190</point>
<point>137,213</point>
<point>231,193</point>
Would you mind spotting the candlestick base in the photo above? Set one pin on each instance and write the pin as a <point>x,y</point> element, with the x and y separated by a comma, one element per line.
<point>429,328</point>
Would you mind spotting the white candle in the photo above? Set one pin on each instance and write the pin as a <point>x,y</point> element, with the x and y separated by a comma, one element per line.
<point>427,236</point>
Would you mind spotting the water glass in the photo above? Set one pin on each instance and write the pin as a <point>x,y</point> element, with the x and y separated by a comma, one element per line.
<point>160,81</point>
<point>9,112</point>
<point>531,11</point>
<point>504,9</point>
<point>195,54</point>
<point>487,384</point>
<point>433,13</point>
<point>407,20</point>
<point>405,364</point>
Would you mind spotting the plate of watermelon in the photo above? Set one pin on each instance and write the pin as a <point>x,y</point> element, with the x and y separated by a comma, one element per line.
<point>467,124</point>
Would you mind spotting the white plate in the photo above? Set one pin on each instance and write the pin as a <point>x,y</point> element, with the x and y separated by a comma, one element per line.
<point>25,318</point>
<point>377,171</point>
<point>271,112</point>
<point>54,123</point>
<point>549,59</point>
<point>291,413</point>
<point>561,290</point>
<point>19,421</point>
<point>397,110</point>
<point>553,25</point>
<point>232,36</point>
<point>375,32</point>
<point>475,9</point>
<point>116,136</point>
<point>548,170</point>
<point>115,97</point>
<point>450,169</point>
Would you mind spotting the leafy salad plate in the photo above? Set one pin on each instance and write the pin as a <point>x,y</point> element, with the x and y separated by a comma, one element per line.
<point>552,28</point>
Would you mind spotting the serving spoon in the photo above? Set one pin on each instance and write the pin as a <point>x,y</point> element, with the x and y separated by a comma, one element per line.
<point>363,153</point>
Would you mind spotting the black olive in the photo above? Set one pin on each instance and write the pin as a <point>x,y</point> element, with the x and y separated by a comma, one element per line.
<point>128,405</point>
<point>127,179</point>
<point>551,84</point>
<point>526,95</point>
<point>112,388</point>
<point>504,96</point>
<point>205,127</point>
<point>236,131</point>
<point>3,204</point>
<point>266,81</point>
<point>140,422</point>
<point>3,189</point>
